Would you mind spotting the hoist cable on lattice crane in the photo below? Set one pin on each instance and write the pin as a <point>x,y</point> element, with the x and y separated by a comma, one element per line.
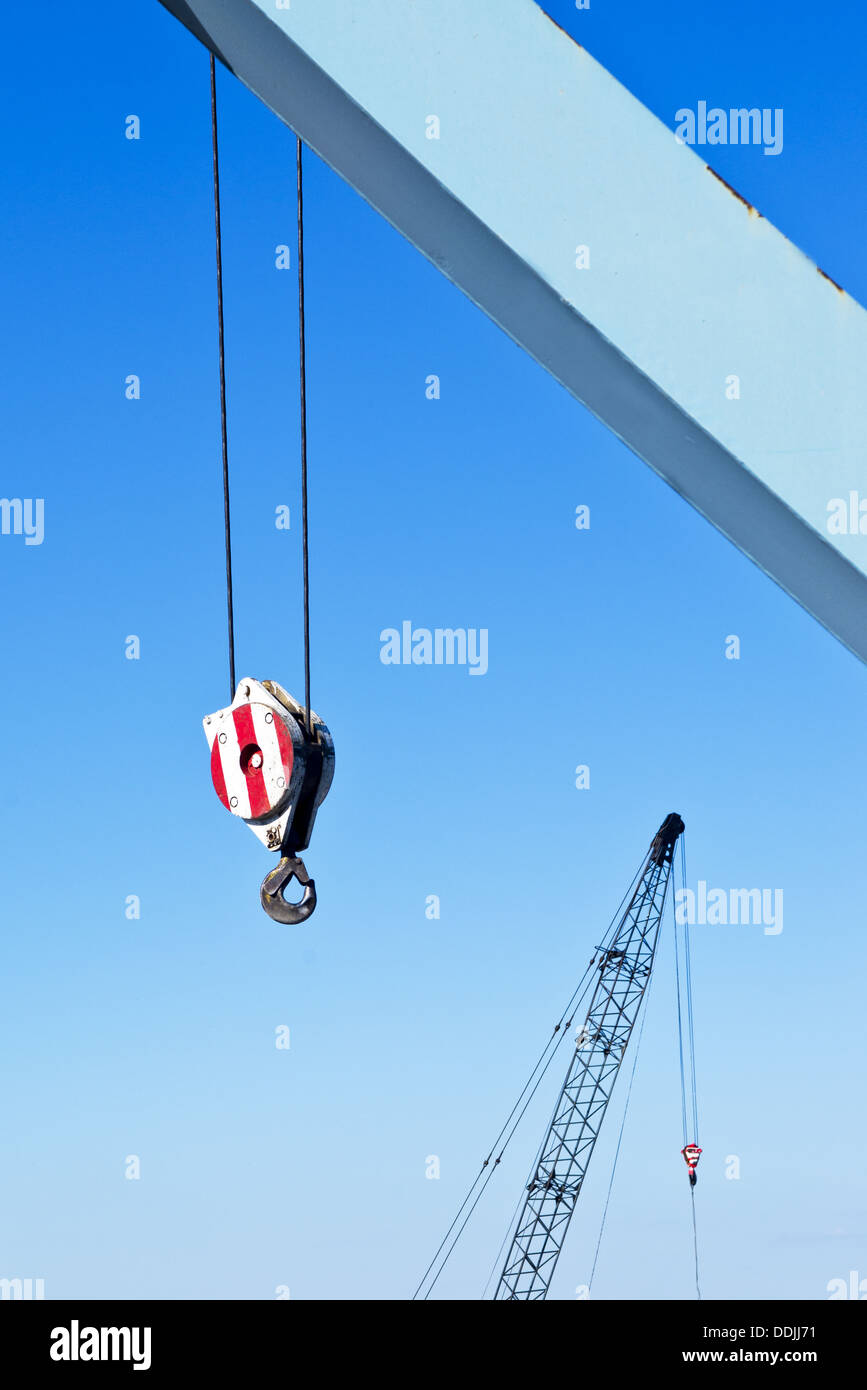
<point>272,759</point>
<point>691,1150</point>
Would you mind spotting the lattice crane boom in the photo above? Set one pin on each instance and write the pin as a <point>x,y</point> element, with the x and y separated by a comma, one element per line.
<point>624,970</point>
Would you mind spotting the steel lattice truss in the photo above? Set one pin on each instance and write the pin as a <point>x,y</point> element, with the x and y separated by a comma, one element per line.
<point>624,973</point>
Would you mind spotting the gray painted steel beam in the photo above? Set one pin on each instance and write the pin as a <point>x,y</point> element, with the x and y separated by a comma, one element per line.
<point>541,151</point>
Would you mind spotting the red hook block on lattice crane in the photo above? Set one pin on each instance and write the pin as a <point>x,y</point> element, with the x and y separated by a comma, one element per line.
<point>691,1155</point>
<point>269,770</point>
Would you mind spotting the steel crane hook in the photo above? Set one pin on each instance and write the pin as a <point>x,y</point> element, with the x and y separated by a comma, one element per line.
<point>273,885</point>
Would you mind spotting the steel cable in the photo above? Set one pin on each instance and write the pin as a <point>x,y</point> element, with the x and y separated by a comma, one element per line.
<point>302,371</point>
<point>687,1052</point>
<point>679,1024</point>
<point>689,1004</point>
<point>227,528</point>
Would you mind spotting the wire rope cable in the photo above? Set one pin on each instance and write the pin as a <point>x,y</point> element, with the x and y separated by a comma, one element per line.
<point>302,374</point>
<point>227,525</point>
<point>690,1012</point>
<point>680,1047</point>
<point>686,1048</point>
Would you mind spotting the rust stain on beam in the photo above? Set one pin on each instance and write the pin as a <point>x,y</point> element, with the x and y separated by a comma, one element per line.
<point>754,212</point>
<point>828,278</point>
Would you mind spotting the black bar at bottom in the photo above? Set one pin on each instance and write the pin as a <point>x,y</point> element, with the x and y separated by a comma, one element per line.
<point>218,1339</point>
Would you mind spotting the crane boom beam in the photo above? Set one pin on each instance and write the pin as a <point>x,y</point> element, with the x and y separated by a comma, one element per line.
<point>608,250</point>
<point>624,968</point>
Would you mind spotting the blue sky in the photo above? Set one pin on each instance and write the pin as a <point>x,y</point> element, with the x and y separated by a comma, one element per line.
<point>409,1037</point>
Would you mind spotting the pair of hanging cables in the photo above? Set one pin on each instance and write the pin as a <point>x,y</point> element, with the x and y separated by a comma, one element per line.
<point>302,350</point>
<point>686,1048</point>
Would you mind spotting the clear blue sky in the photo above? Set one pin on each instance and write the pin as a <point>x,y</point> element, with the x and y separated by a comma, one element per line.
<point>409,1037</point>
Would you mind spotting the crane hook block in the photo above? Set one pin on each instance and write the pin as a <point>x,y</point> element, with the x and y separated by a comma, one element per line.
<point>269,770</point>
<point>691,1155</point>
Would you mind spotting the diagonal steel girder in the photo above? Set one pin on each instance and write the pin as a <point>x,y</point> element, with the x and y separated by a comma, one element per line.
<point>535,151</point>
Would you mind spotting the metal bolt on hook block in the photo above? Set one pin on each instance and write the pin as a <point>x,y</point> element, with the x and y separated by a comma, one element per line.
<point>269,770</point>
